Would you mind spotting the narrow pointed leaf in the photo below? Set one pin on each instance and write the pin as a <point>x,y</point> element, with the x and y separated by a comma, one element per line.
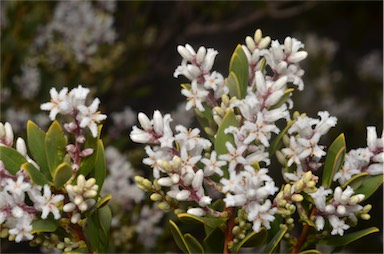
<point>193,244</point>
<point>334,160</point>
<point>233,85</point>
<point>62,174</point>
<point>221,137</point>
<point>277,141</point>
<point>348,238</point>
<point>47,225</point>
<point>55,143</point>
<point>239,66</point>
<point>369,185</point>
<point>105,219</point>
<point>100,166</point>
<point>36,176</point>
<point>12,159</point>
<point>252,240</point>
<point>355,181</point>
<point>36,146</point>
<point>178,237</point>
<point>214,242</point>
<point>272,245</point>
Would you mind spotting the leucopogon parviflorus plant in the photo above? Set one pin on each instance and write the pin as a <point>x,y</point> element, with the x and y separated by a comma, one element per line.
<point>223,176</point>
<point>50,184</point>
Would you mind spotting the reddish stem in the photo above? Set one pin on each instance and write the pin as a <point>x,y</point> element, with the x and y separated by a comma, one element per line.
<point>228,230</point>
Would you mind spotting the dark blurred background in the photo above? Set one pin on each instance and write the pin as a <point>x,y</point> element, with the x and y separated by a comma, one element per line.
<point>343,72</point>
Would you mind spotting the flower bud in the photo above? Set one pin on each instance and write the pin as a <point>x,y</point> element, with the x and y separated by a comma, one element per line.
<point>204,201</point>
<point>341,210</point>
<point>75,218</point>
<point>147,184</point>
<point>80,181</point>
<point>176,162</point>
<point>90,183</point>
<point>183,195</point>
<point>158,124</point>
<point>165,181</point>
<point>156,197</point>
<point>164,206</point>
<point>198,180</point>
<point>250,43</point>
<point>290,220</point>
<point>86,152</point>
<point>78,200</point>
<point>83,206</point>
<point>196,211</point>
<point>21,147</point>
<point>287,190</point>
<point>70,207</point>
<point>288,45</point>
<point>297,197</point>
<point>90,194</point>
<point>258,36</point>
<point>356,199</point>
<point>264,42</point>
<point>175,178</point>
<point>367,208</point>
<point>8,134</point>
<point>200,55</point>
<point>144,121</point>
<point>365,216</point>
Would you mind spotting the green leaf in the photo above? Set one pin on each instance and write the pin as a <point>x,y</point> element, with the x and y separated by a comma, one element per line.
<point>105,219</point>
<point>55,143</point>
<point>221,137</point>
<point>193,244</point>
<point>233,85</point>
<point>88,163</point>
<point>12,159</point>
<point>91,231</point>
<point>36,146</point>
<point>355,181</point>
<point>47,225</point>
<point>369,185</point>
<point>239,66</point>
<point>61,175</point>
<point>100,166</point>
<point>36,176</point>
<point>277,141</point>
<point>310,252</point>
<point>178,237</point>
<point>334,160</point>
<point>211,222</point>
<point>214,242</point>
<point>253,239</point>
<point>348,238</point>
<point>103,201</point>
<point>272,245</point>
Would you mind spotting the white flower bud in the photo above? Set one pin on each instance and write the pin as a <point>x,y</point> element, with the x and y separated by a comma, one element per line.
<point>183,195</point>
<point>356,199</point>
<point>75,218</point>
<point>17,212</point>
<point>144,121</point>
<point>278,84</point>
<point>198,180</point>
<point>90,183</point>
<point>8,134</point>
<point>70,207</point>
<point>21,147</point>
<point>371,136</point>
<point>297,57</point>
<point>175,178</point>
<point>90,194</point>
<point>186,54</point>
<point>158,124</point>
<point>260,82</point>
<point>274,98</point>
<point>193,70</point>
<point>188,178</point>
<point>78,200</point>
<point>264,42</point>
<point>86,152</point>
<point>201,53</point>
<point>196,211</point>
<point>288,45</point>
<point>82,206</point>
<point>320,223</point>
<point>281,67</point>
<point>176,162</point>
<point>258,36</point>
<point>341,210</point>
<point>250,43</point>
<point>80,181</point>
<point>329,209</point>
<point>165,181</point>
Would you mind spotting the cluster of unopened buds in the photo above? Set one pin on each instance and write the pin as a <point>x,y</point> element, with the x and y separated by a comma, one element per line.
<point>81,197</point>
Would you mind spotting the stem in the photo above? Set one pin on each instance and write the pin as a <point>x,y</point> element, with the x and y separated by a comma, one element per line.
<point>303,235</point>
<point>228,230</point>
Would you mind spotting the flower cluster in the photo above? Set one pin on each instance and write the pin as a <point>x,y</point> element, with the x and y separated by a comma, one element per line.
<point>369,159</point>
<point>242,117</point>
<point>21,200</point>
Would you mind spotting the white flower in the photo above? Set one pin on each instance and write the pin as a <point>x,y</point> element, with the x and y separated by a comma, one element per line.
<point>90,117</point>
<point>261,214</point>
<point>78,95</point>
<point>22,229</point>
<point>47,203</point>
<point>190,138</point>
<point>59,103</point>
<point>319,223</point>
<point>320,197</point>
<point>338,225</point>
<point>234,156</point>
<point>212,165</point>
<point>195,96</point>
<point>18,187</point>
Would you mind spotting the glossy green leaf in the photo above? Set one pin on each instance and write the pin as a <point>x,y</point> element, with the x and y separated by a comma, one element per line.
<point>348,238</point>
<point>55,143</point>
<point>36,146</point>
<point>253,239</point>
<point>91,231</point>
<point>36,176</point>
<point>277,141</point>
<point>214,242</point>
<point>193,244</point>
<point>88,163</point>
<point>369,185</point>
<point>355,181</point>
<point>100,166</point>
<point>178,237</point>
<point>334,160</point>
<point>272,245</point>
<point>239,66</point>
<point>105,220</point>
<point>221,137</point>
<point>103,201</point>
<point>61,175</point>
<point>47,225</point>
<point>211,222</point>
<point>12,159</point>
<point>233,85</point>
